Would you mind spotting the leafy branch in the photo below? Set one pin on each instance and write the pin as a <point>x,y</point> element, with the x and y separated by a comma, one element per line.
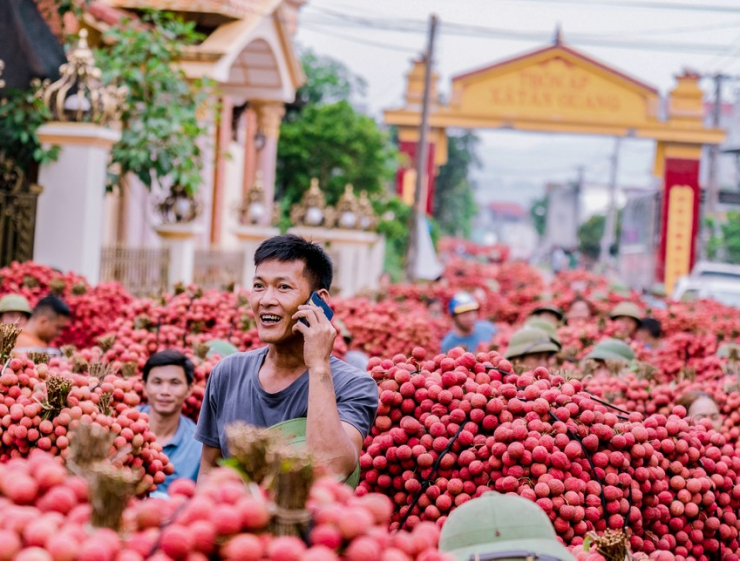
<point>159,124</point>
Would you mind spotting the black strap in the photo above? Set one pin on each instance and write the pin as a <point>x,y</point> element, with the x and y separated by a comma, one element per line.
<point>513,554</point>
<point>432,474</point>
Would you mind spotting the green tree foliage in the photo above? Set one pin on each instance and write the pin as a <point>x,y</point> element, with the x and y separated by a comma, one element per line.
<point>21,114</point>
<point>324,136</point>
<point>726,245</point>
<point>538,214</point>
<point>454,200</point>
<point>591,232</point>
<point>327,81</point>
<point>160,127</point>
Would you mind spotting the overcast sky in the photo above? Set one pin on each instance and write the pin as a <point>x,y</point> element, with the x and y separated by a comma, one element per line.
<point>473,33</point>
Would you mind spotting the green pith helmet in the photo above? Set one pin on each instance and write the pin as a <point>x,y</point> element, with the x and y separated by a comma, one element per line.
<point>619,288</point>
<point>546,326</point>
<point>530,340</point>
<point>14,303</point>
<point>509,526</point>
<point>611,349</point>
<point>727,350</point>
<point>221,348</point>
<point>295,430</point>
<point>548,308</point>
<point>627,309</point>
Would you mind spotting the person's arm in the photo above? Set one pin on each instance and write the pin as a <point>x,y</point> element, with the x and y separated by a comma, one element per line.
<point>209,458</point>
<point>335,444</point>
<point>206,430</point>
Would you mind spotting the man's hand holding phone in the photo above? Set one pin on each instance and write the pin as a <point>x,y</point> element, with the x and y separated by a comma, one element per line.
<point>314,322</point>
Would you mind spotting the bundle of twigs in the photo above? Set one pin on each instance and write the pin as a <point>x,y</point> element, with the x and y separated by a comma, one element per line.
<point>252,448</point>
<point>293,475</point>
<point>39,357</point>
<point>105,342</point>
<point>89,444</point>
<point>57,390</point>
<point>612,544</point>
<point>100,369</point>
<point>111,489</point>
<point>8,335</point>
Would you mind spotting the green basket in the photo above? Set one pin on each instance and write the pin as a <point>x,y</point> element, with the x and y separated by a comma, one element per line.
<point>295,429</point>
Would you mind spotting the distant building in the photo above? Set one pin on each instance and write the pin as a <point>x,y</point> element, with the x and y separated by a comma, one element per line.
<point>508,223</point>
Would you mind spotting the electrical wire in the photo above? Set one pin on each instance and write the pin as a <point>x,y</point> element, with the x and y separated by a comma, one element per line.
<point>320,29</point>
<point>644,4</point>
<point>401,25</point>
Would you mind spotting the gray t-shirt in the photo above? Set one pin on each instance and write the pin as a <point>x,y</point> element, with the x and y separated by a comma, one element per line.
<point>234,393</point>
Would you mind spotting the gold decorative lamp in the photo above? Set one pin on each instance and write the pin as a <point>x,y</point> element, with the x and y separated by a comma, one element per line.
<point>253,209</point>
<point>367,220</point>
<point>347,206</point>
<point>79,95</point>
<point>312,210</point>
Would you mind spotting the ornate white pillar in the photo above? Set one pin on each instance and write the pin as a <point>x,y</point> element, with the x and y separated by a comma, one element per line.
<point>269,117</point>
<point>179,239</point>
<point>69,219</point>
<point>69,216</point>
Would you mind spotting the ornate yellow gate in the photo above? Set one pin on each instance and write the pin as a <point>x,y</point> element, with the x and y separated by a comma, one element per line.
<point>17,213</point>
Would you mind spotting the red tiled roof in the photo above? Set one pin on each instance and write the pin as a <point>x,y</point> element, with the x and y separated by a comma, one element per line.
<point>508,209</point>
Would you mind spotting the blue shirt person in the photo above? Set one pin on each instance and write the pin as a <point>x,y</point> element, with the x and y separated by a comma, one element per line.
<point>168,381</point>
<point>469,331</point>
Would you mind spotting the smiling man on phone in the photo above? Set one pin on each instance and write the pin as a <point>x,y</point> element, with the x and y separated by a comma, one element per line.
<point>294,376</point>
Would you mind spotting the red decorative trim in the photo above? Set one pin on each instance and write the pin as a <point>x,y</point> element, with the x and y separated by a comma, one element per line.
<point>678,171</point>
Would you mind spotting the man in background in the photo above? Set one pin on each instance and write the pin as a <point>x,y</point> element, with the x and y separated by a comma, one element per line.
<point>168,381</point>
<point>49,318</point>
<point>469,330</point>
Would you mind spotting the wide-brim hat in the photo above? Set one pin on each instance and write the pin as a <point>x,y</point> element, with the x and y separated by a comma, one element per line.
<point>530,340</point>
<point>499,524</point>
<point>627,309</point>
<point>295,431</point>
<point>221,348</point>
<point>15,303</point>
<point>728,349</point>
<point>546,326</point>
<point>611,349</point>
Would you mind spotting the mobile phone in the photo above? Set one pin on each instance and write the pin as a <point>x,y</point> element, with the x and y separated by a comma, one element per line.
<point>317,300</point>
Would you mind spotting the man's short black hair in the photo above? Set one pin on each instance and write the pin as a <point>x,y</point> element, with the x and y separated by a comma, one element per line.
<point>652,326</point>
<point>51,305</point>
<point>170,357</point>
<point>319,269</point>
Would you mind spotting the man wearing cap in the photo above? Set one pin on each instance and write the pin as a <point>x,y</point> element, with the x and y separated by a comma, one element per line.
<point>612,350</point>
<point>531,347</point>
<point>49,318</point>
<point>626,317</point>
<point>469,330</point>
<point>496,526</point>
<point>650,332</point>
<point>14,308</point>
<point>548,312</point>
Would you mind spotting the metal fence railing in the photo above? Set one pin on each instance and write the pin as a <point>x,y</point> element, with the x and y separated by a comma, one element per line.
<point>143,271</point>
<point>216,269</point>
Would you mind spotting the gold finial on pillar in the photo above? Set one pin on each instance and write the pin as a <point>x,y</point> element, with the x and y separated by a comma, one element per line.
<point>79,95</point>
<point>253,209</point>
<point>367,220</point>
<point>346,213</point>
<point>312,210</point>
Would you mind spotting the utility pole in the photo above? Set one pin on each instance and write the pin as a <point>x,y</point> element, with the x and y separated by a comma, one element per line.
<point>422,150</point>
<point>610,227</point>
<point>578,190</point>
<point>712,198</point>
